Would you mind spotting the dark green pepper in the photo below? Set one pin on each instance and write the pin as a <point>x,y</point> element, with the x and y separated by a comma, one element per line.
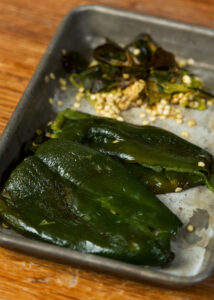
<point>39,203</point>
<point>76,197</point>
<point>148,146</point>
<point>113,187</point>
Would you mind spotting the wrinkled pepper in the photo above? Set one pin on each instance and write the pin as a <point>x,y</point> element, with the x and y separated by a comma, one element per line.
<point>73,196</point>
<point>147,146</point>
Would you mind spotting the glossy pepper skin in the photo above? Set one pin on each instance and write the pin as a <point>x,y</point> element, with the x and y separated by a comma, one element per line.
<point>148,146</point>
<point>73,196</point>
<point>112,186</point>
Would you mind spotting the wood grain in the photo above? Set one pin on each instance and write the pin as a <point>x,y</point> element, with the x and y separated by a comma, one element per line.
<point>25,30</point>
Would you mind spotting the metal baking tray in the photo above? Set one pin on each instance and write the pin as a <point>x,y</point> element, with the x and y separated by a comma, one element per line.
<point>81,30</point>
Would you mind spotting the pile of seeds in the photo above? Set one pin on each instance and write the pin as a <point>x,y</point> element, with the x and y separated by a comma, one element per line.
<point>111,104</point>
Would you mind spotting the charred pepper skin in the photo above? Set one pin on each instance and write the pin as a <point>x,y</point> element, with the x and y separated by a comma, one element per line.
<point>79,211</point>
<point>148,146</point>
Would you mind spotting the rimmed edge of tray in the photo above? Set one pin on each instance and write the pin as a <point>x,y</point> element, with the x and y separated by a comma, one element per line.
<point>67,256</point>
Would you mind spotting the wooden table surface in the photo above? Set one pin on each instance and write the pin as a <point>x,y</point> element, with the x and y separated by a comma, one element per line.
<point>26,27</point>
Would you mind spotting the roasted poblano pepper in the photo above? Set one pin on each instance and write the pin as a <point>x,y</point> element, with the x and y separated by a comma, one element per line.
<point>148,146</point>
<point>71,195</point>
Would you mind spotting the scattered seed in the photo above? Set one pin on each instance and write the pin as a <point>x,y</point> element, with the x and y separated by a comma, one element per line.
<point>139,102</point>
<point>182,63</point>
<point>166,112</point>
<point>4,225</point>
<point>185,134</point>
<point>145,122</point>
<point>163,101</point>
<point>52,76</point>
<point>120,118</point>
<point>186,79</point>
<point>179,116</point>
<point>79,96</point>
<point>34,144</point>
<point>93,63</point>
<point>63,88</point>
<point>201,164</point>
<point>142,115</point>
<point>136,51</point>
<point>191,123</point>
<point>153,113</point>
<point>190,228</point>
<point>125,76</point>
<point>50,100</point>
<point>76,105</point>
<point>46,79</point>
<point>62,81</point>
<point>179,121</point>
<point>93,97</point>
<point>190,61</point>
<point>38,131</point>
<point>59,103</point>
<point>195,105</point>
<point>209,103</point>
<point>152,119</point>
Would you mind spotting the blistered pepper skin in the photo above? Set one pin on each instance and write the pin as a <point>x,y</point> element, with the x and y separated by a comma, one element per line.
<point>149,146</point>
<point>50,196</point>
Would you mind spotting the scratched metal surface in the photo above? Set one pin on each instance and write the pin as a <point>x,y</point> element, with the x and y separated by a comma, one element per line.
<point>82,30</point>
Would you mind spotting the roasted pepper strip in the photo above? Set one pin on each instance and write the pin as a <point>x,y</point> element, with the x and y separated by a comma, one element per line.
<point>38,202</point>
<point>148,146</point>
